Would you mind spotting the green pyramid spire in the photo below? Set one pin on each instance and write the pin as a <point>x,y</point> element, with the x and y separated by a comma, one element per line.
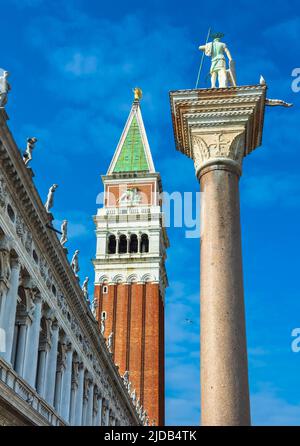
<point>132,157</point>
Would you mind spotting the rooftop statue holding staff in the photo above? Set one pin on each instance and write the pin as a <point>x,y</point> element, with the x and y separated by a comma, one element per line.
<point>217,51</point>
<point>4,87</point>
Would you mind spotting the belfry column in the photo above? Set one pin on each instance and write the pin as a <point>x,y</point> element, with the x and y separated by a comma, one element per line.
<point>217,128</point>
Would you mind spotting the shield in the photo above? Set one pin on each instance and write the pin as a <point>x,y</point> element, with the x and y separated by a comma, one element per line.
<point>231,75</point>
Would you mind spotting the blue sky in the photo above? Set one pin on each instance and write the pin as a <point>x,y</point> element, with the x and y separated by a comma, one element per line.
<point>73,65</point>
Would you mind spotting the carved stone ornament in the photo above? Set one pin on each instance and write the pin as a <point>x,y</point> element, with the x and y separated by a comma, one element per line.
<point>222,146</point>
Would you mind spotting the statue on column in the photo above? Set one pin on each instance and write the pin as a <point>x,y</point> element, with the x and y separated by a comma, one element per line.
<point>85,289</point>
<point>4,88</point>
<point>27,157</point>
<point>217,50</point>
<point>64,235</point>
<point>50,198</point>
<point>75,263</point>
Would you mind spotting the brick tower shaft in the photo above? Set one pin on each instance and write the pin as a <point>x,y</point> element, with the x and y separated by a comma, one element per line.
<point>130,275</point>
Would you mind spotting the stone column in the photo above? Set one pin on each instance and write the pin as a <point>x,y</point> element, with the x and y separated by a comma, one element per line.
<point>5,275</point>
<point>128,241</point>
<point>32,344</point>
<point>73,403</point>
<point>90,406</point>
<point>67,381</point>
<point>224,376</point>
<point>40,385</point>
<point>58,388</point>
<point>224,371</point>
<point>98,420</point>
<point>104,412</point>
<point>107,413</point>
<point>21,348</point>
<point>79,396</point>
<point>111,419</point>
<point>52,364</point>
<point>217,128</point>
<point>86,384</point>
<point>10,309</point>
<point>117,242</point>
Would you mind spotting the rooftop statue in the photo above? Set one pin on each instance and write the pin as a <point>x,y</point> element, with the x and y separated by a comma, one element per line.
<point>75,263</point>
<point>217,51</point>
<point>50,198</point>
<point>4,88</point>
<point>85,289</point>
<point>138,94</point>
<point>94,311</point>
<point>64,233</point>
<point>110,342</point>
<point>27,157</point>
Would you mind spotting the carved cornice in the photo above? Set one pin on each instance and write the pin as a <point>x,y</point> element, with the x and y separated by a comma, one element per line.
<point>203,119</point>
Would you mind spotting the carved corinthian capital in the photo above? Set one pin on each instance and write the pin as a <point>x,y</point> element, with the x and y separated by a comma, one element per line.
<point>214,147</point>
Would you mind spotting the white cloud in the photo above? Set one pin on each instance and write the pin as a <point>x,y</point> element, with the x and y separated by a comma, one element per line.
<point>269,409</point>
<point>81,64</point>
<point>271,189</point>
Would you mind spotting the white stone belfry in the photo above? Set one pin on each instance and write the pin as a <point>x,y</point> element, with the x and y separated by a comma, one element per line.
<point>131,214</point>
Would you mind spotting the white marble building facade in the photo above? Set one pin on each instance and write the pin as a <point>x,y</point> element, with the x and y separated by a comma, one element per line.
<point>55,368</point>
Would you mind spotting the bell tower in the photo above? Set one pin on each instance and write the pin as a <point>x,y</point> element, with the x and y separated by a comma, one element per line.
<point>130,274</point>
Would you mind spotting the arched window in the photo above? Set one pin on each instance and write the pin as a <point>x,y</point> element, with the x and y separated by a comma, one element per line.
<point>112,244</point>
<point>123,244</point>
<point>144,243</point>
<point>133,247</point>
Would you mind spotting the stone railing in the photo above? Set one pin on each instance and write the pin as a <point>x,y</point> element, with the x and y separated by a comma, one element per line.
<point>19,392</point>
